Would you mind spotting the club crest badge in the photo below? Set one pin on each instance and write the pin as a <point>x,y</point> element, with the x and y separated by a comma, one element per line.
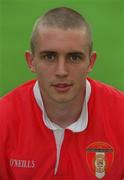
<point>100,156</point>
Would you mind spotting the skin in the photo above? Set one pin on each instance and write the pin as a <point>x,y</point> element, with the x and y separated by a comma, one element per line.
<point>61,62</point>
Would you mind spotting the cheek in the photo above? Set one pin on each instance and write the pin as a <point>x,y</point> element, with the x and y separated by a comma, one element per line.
<point>85,69</point>
<point>79,76</point>
<point>43,76</point>
<point>43,80</point>
<point>42,70</point>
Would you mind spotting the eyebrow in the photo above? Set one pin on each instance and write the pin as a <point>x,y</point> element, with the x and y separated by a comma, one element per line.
<point>47,52</point>
<point>76,52</point>
<point>70,53</point>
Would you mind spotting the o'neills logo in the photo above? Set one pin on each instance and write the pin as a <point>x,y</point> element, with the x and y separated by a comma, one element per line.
<point>22,163</point>
<point>100,156</point>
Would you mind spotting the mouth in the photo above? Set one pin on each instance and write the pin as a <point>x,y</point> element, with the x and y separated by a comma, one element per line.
<point>62,87</point>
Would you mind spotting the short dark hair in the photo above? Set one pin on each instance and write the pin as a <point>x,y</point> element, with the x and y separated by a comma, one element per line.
<point>63,18</point>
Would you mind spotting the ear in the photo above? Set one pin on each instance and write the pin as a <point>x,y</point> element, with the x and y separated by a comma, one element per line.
<point>30,60</point>
<point>92,61</point>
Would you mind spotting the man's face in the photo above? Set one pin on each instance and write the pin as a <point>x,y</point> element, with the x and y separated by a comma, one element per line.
<point>61,62</point>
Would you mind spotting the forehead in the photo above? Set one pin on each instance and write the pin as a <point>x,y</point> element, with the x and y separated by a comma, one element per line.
<point>61,40</point>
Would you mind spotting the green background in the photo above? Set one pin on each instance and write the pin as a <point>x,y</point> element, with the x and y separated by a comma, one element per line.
<point>17,17</point>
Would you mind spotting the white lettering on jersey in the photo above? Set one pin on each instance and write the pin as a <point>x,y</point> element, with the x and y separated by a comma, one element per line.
<point>22,163</point>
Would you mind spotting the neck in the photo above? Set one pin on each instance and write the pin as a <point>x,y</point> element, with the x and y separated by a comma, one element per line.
<point>64,114</point>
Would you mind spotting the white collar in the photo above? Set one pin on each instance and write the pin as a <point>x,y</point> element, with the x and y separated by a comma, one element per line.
<point>77,126</point>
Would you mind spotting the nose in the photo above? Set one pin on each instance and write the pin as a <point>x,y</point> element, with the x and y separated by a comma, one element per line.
<point>61,68</point>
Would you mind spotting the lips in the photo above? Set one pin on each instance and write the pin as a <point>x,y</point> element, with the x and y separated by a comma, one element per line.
<point>62,87</point>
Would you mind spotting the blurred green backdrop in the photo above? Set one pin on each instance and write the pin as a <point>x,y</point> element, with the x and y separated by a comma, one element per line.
<point>17,17</point>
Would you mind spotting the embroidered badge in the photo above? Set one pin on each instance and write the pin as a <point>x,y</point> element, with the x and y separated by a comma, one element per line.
<point>100,156</point>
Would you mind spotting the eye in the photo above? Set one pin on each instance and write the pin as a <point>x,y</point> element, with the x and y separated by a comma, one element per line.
<point>49,57</point>
<point>75,58</point>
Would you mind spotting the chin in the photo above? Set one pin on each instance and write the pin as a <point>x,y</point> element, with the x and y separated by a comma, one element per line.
<point>62,100</point>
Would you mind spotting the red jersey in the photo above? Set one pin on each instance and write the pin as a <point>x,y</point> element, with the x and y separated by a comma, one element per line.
<point>28,148</point>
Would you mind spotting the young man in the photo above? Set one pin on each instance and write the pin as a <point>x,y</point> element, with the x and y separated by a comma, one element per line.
<point>64,125</point>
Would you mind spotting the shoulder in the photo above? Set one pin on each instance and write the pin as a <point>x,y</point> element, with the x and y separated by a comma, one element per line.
<point>109,101</point>
<point>13,107</point>
<point>106,91</point>
<point>10,102</point>
<point>19,90</point>
<point>107,97</point>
